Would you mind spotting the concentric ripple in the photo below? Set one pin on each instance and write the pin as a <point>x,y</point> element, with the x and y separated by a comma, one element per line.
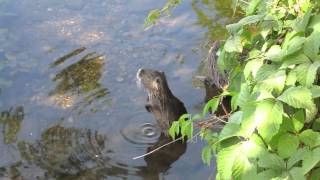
<point>141,130</point>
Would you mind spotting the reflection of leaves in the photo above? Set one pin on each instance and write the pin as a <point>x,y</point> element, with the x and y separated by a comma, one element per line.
<point>214,23</point>
<point>80,78</point>
<point>11,121</point>
<point>66,151</point>
<point>68,56</point>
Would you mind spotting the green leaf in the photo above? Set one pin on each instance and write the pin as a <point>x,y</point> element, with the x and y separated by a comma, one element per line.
<point>301,23</point>
<point>187,129</point>
<point>234,28</point>
<point>252,7</point>
<point>316,125</point>
<point>234,102</point>
<point>241,166</point>
<point>268,174</point>
<point>296,58</point>
<point>253,148</point>
<point>291,78</point>
<point>245,96</point>
<point>310,138</point>
<point>233,44</point>
<point>296,157</point>
<point>298,120</point>
<point>311,113</point>
<point>270,23</point>
<point>229,130</point>
<point>235,117</point>
<point>252,67</point>
<point>225,160</point>
<point>211,106</point>
<point>315,91</point>
<point>310,159</point>
<point>206,155</point>
<point>315,23</point>
<point>306,73</point>
<point>297,97</point>
<point>268,117</point>
<point>275,53</point>
<point>286,126</point>
<point>311,45</point>
<point>248,124</point>
<point>287,145</point>
<point>294,45</point>
<point>270,80</point>
<point>197,117</point>
<point>184,117</point>
<point>296,174</point>
<point>272,161</point>
<point>174,129</point>
<point>275,81</point>
<point>264,94</point>
<point>265,71</point>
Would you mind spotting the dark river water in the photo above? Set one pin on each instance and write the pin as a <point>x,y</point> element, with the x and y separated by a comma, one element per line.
<point>70,107</point>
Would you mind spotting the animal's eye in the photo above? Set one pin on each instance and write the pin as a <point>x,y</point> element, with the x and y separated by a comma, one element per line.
<point>158,80</point>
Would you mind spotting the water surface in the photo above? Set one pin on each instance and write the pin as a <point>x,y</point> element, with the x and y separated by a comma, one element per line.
<point>70,107</point>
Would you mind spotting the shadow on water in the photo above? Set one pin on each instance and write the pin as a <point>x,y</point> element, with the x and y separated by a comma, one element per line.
<point>78,83</point>
<point>70,153</point>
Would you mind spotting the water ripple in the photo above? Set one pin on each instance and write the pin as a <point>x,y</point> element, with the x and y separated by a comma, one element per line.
<point>140,132</point>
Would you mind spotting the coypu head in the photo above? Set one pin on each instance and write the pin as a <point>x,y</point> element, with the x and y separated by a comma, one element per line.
<point>153,81</point>
<point>161,102</point>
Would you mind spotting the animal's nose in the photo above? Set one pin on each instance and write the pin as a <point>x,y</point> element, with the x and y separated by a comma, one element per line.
<point>140,71</point>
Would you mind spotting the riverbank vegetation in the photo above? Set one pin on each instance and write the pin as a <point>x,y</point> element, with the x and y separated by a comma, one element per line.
<point>272,59</point>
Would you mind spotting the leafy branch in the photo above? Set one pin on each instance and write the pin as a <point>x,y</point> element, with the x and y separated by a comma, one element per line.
<point>272,58</point>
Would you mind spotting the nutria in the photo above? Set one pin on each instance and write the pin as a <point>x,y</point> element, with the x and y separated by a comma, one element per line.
<point>215,82</point>
<point>160,101</point>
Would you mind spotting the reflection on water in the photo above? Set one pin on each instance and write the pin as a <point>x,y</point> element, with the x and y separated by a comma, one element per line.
<point>69,153</point>
<point>161,160</point>
<point>214,16</point>
<point>78,80</point>
<point>50,74</point>
<point>66,152</point>
<point>10,121</point>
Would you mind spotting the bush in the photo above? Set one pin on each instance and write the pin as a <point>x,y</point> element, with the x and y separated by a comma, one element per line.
<point>272,58</point>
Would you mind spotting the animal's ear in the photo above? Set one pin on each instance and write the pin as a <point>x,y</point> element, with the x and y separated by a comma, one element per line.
<point>162,74</point>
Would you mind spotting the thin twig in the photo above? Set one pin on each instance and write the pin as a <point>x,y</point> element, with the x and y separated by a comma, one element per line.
<point>212,120</point>
<point>180,138</point>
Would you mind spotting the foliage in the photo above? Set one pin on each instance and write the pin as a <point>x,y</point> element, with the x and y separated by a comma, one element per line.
<point>273,129</point>
<point>156,13</point>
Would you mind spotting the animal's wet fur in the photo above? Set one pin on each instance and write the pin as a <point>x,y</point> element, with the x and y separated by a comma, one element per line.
<point>165,107</point>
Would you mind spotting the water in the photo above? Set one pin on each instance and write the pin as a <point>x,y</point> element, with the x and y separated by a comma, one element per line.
<point>70,107</point>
